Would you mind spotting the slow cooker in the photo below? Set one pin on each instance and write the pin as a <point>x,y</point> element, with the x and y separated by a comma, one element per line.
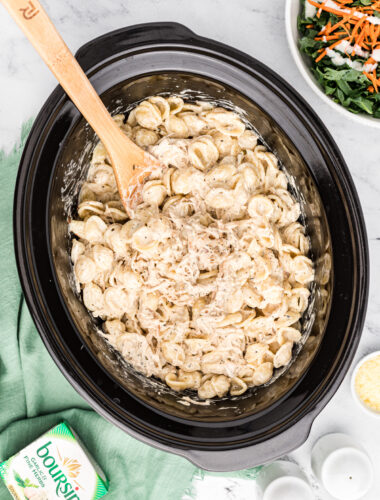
<point>266,422</point>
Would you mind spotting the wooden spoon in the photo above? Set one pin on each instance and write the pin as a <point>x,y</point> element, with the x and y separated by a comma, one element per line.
<point>130,163</point>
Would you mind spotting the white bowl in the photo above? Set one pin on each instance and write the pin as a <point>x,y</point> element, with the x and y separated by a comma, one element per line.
<point>342,466</point>
<point>283,480</point>
<point>292,9</point>
<point>353,389</point>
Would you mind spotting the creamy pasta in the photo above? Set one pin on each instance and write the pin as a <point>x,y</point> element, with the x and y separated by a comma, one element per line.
<point>205,285</point>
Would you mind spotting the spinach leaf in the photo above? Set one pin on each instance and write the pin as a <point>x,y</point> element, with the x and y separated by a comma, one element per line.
<point>364,104</point>
<point>329,90</point>
<point>347,75</point>
<point>306,43</point>
<point>341,96</point>
<point>344,87</point>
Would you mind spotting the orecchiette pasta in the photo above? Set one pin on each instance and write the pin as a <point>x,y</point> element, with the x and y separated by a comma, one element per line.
<point>205,285</point>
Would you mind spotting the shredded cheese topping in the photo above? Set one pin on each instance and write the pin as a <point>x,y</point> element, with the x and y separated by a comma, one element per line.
<point>367,383</point>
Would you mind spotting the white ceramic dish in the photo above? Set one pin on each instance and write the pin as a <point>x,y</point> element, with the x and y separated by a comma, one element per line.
<point>342,466</point>
<point>292,9</point>
<point>353,389</point>
<point>283,480</point>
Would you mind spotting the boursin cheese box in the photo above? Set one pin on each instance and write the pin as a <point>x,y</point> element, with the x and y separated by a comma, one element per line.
<point>54,466</point>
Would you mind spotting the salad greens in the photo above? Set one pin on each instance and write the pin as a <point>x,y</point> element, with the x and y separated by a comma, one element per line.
<point>355,89</point>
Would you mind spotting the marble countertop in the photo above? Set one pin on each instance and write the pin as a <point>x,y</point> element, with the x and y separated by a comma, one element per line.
<point>256,27</point>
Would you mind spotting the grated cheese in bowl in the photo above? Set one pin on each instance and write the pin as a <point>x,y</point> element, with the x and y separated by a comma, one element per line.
<point>366,383</point>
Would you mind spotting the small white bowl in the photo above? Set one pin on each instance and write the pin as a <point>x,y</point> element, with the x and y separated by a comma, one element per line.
<point>283,480</point>
<point>303,62</point>
<point>342,467</point>
<point>355,395</point>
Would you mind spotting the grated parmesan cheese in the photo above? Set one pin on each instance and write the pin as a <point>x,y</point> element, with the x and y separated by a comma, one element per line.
<point>367,383</point>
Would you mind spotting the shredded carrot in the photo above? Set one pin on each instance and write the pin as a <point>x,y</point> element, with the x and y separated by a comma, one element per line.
<point>368,75</point>
<point>321,56</point>
<point>324,29</point>
<point>309,26</point>
<point>337,43</point>
<point>356,29</point>
<point>371,89</point>
<point>346,29</point>
<point>360,38</point>
<point>371,33</point>
<point>325,8</point>
<point>327,38</point>
<point>374,80</point>
<point>340,23</point>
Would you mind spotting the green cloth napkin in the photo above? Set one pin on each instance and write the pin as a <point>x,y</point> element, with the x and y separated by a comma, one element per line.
<point>34,395</point>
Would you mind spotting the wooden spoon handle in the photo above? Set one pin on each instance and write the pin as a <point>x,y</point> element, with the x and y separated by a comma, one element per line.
<point>37,26</point>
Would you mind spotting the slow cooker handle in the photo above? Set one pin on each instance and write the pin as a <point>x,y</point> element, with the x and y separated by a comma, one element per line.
<point>97,51</point>
<point>252,456</point>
